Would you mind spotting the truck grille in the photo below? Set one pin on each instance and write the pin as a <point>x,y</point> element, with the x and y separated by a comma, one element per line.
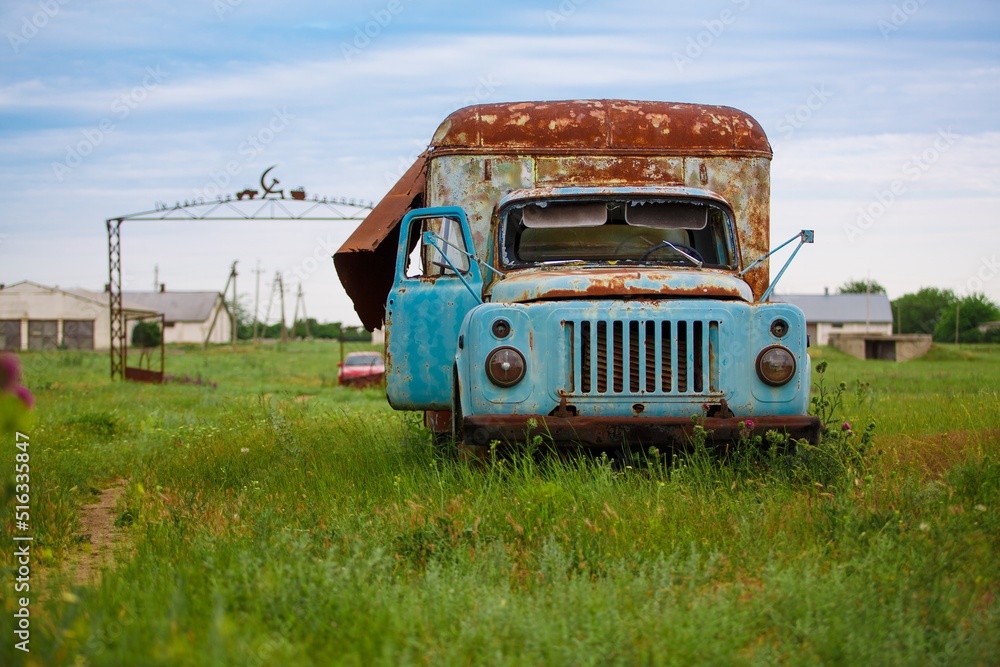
<point>643,356</point>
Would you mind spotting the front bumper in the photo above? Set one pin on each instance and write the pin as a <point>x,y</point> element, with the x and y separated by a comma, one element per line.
<point>631,431</point>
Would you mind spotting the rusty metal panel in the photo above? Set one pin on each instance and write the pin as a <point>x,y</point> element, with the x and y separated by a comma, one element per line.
<point>476,183</point>
<point>367,260</point>
<point>664,128</point>
<point>561,171</point>
<point>631,431</point>
<point>562,283</point>
<point>577,125</point>
<point>746,184</point>
<point>143,375</point>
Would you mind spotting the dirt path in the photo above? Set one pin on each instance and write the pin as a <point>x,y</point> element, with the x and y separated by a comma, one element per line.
<point>99,535</point>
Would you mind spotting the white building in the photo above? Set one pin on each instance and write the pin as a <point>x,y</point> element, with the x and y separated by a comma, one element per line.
<point>188,316</point>
<point>828,314</point>
<point>36,317</point>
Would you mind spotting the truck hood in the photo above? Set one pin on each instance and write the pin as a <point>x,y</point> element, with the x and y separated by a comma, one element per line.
<point>559,283</point>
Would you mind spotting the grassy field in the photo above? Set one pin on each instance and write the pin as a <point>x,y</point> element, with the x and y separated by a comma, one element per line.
<point>265,516</point>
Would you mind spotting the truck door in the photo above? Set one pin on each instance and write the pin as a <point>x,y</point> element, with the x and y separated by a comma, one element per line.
<point>436,284</point>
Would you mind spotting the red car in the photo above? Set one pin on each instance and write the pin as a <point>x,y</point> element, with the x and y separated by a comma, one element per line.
<point>361,369</point>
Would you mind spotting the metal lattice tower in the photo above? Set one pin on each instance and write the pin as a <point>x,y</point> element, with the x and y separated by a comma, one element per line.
<point>115,300</point>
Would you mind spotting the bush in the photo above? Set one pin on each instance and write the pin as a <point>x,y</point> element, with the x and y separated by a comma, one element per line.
<point>147,334</point>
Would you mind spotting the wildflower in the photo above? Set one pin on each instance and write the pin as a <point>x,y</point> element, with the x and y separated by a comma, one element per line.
<point>706,407</point>
<point>749,423</point>
<point>22,393</point>
<point>821,367</point>
<point>244,450</point>
<point>10,372</point>
<point>10,380</point>
<point>924,527</point>
<point>846,426</point>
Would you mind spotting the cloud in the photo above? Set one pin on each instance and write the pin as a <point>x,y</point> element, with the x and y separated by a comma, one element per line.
<point>926,163</point>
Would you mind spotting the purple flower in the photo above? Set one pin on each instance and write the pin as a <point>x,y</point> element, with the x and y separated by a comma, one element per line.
<point>10,372</point>
<point>846,426</point>
<point>22,393</point>
<point>749,423</point>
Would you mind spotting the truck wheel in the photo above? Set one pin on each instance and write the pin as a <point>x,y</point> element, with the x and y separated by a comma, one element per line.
<point>476,455</point>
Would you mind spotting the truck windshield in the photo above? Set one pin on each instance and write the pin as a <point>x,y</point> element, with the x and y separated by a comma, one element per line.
<point>673,232</point>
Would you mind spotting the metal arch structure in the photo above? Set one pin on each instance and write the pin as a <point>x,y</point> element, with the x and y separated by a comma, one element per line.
<point>298,208</point>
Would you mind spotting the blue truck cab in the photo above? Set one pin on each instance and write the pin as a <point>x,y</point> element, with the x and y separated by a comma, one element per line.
<point>594,271</point>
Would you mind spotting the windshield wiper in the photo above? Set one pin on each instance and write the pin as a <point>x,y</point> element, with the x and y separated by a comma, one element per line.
<point>665,244</point>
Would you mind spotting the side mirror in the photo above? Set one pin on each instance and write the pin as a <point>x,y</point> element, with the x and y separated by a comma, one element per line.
<point>803,237</point>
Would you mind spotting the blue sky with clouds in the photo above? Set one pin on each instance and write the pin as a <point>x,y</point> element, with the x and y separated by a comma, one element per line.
<point>882,116</point>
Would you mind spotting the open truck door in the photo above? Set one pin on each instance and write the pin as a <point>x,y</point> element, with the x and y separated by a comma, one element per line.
<point>437,281</point>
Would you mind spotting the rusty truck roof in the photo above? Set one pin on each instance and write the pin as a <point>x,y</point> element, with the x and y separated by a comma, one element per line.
<point>605,126</point>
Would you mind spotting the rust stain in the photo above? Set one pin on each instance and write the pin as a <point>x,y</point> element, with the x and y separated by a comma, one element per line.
<point>600,291</point>
<point>614,431</point>
<point>525,286</point>
<point>619,125</point>
<point>563,171</point>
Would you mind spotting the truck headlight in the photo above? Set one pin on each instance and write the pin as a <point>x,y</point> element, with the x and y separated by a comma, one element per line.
<point>775,365</point>
<point>505,367</point>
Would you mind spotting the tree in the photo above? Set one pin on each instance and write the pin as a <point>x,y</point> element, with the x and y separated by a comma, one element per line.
<point>971,311</point>
<point>860,287</point>
<point>919,312</point>
<point>244,316</point>
<point>146,335</point>
<point>356,334</point>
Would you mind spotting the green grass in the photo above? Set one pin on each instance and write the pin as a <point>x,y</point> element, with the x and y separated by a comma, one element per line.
<point>261,527</point>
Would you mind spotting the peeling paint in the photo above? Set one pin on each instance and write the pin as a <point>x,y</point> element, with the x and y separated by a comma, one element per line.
<point>560,283</point>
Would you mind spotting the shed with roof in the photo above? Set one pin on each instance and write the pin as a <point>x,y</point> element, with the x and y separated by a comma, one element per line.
<point>37,317</point>
<point>829,314</point>
<point>189,317</point>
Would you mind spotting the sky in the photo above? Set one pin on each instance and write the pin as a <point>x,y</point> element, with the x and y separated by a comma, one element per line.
<point>882,116</point>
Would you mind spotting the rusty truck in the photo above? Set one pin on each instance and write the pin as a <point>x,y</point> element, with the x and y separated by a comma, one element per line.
<point>592,271</point>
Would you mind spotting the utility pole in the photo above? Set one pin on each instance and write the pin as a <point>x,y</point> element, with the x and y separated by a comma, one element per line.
<point>235,319</point>
<point>156,277</point>
<point>256,300</point>
<point>300,298</point>
<point>281,287</point>
<point>215,318</point>
<point>270,302</point>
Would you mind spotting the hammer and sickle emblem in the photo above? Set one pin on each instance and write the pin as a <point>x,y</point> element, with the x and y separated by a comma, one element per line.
<point>269,189</point>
